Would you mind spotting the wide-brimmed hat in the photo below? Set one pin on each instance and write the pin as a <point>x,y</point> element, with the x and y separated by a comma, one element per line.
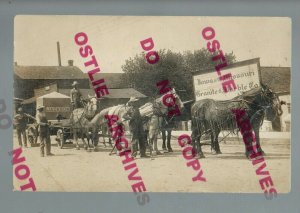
<point>40,107</point>
<point>20,109</point>
<point>75,83</point>
<point>133,99</point>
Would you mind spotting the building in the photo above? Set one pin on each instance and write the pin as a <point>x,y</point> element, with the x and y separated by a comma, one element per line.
<point>31,82</point>
<point>27,79</point>
<point>279,80</point>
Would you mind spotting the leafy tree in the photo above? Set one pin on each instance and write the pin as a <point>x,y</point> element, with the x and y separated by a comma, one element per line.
<point>178,68</point>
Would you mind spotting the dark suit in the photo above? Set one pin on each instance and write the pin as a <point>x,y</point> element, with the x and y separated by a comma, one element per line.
<point>20,121</point>
<point>44,133</point>
<point>136,129</point>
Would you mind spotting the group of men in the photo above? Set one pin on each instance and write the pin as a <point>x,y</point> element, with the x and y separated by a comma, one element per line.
<point>132,115</point>
<point>21,121</point>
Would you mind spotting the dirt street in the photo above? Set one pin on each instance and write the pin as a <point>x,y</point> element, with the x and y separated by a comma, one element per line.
<point>82,171</point>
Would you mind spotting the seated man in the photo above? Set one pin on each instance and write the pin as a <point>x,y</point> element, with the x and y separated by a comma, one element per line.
<point>76,96</point>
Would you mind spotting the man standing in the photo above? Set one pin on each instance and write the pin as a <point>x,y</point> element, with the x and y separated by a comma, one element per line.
<point>135,127</point>
<point>76,96</point>
<point>43,131</point>
<point>20,121</point>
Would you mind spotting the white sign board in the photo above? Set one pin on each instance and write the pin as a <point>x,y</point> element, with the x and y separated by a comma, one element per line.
<point>246,77</point>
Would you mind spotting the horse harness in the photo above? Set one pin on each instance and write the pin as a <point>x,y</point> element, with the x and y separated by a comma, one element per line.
<point>245,105</point>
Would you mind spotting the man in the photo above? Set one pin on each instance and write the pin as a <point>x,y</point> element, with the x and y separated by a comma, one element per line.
<point>21,121</point>
<point>135,127</point>
<point>76,96</point>
<point>43,131</point>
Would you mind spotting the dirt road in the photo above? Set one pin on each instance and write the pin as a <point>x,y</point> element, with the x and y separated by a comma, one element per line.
<point>82,171</point>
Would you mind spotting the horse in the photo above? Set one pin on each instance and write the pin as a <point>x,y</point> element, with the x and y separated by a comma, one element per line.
<point>100,122</point>
<point>168,125</point>
<point>81,125</point>
<point>156,118</point>
<point>210,116</point>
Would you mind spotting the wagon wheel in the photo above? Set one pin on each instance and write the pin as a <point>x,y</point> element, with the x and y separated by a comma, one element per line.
<point>30,134</point>
<point>60,138</point>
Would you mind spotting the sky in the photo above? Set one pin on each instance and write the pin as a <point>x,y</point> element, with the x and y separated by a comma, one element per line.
<point>117,38</point>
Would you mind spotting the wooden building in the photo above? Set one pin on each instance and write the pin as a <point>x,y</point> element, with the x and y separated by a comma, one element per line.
<point>31,82</point>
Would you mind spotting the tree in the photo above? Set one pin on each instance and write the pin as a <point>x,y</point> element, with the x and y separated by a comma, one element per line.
<point>178,68</point>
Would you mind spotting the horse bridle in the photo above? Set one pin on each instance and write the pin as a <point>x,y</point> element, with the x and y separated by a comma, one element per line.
<point>267,99</point>
<point>270,100</point>
<point>92,104</point>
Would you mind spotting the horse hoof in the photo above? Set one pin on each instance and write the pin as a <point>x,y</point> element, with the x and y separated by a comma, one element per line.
<point>158,152</point>
<point>134,154</point>
<point>85,148</point>
<point>170,150</point>
<point>213,152</point>
<point>112,153</point>
<point>219,152</point>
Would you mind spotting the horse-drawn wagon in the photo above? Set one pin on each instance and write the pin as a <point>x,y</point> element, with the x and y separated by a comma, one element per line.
<point>214,109</point>
<point>79,125</point>
<point>63,133</point>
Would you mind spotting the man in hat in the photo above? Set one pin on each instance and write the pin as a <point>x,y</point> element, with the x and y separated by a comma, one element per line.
<point>43,131</point>
<point>76,96</point>
<point>135,127</point>
<point>20,122</point>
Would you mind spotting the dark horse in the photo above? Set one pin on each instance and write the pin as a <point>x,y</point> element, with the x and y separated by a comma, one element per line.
<point>210,116</point>
<point>168,124</point>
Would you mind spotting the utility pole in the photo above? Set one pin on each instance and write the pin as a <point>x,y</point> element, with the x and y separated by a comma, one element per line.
<point>58,54</point>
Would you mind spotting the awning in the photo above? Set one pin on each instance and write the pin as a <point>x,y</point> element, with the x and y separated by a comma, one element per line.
<point>29,100</point>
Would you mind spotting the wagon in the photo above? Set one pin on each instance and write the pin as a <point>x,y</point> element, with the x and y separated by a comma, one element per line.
<point>63,133</point>
<point>32,134</point>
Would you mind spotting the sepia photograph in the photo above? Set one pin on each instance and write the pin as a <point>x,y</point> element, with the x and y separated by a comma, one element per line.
<point>185,104</point>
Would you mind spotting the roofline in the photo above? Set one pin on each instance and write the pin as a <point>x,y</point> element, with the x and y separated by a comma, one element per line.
<point>45,66</point>
<point>233,65</point>
<point>274,67</point>
<point>283,93</point>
